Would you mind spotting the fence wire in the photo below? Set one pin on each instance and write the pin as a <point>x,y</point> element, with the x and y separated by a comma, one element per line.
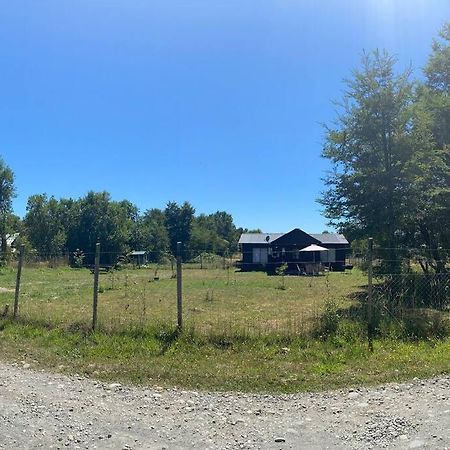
<point>222,298</point>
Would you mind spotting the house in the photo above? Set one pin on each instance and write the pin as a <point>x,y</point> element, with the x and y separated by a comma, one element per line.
<point>10,241</point>
<point>302,252</point>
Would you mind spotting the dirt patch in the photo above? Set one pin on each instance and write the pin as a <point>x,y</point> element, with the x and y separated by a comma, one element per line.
<point>2,290</point>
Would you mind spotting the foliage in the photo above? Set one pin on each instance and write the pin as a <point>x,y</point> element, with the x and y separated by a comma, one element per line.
<point>7,193</point>
<point>150,234</point>
<point>214,233</point>
<point>78,258</point>
<point>281,271</point>
<point>328,321</point>
<point>390,179</point>
<point>54,227</point>
<point>178,221</point>
<point>45,229</point>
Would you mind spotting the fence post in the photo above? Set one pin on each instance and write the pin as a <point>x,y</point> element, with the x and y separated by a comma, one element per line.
<point>370,325</point>
<point>96,271</point>
<point>19,274</point>
<point>179,287</point>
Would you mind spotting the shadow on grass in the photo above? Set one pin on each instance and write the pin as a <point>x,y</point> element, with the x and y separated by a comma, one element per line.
<point>167,337</point>
<point>390,319</point>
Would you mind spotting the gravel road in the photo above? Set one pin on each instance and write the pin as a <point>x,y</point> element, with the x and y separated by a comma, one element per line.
<point>43,410</point>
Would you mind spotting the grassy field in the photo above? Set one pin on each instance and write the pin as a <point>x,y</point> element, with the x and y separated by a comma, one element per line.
<point>244,331</point>
<point>249,302</point>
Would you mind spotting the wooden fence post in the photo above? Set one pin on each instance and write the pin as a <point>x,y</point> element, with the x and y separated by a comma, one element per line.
<point>96,271</point>
<point>179,286</point>
<point>19,274</point>
<point>370,325</point>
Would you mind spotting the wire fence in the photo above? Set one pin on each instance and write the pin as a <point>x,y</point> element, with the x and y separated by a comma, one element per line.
<point>220,297</point>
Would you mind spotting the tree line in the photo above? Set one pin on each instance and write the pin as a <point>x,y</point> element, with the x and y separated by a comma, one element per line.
<point>390,152</point>
<point>53,227</point>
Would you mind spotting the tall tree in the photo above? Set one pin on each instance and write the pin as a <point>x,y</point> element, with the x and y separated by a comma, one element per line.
<point>434,105</point>
<point>385,169</point>
<point>214,233</point>
<point>179,221</point>
<point>368,152</point>
<point>150,234</point>
<point>45,229</point>
<point>106,221</point>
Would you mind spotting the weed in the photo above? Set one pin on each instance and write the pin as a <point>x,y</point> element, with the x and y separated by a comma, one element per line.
<point>281,271</point>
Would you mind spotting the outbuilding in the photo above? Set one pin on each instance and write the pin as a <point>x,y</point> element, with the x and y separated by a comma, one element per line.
<point>139,257</point>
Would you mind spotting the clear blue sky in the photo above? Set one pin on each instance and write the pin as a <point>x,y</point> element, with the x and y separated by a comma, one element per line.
<point>216,102</point>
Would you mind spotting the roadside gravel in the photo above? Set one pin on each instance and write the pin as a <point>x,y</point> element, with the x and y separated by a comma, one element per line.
<point>43,410</point>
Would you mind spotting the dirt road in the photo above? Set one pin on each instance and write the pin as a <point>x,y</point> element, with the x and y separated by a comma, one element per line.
<point>42,410</point>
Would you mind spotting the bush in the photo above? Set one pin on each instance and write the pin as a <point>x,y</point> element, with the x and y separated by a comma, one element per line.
<point>328,322</point>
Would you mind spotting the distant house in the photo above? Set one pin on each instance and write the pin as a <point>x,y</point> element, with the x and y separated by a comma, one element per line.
<point>10,241</point>
<point>299,250</point>
<point>139,257</point>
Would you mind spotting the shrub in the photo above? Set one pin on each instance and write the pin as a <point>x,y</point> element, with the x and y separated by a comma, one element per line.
<point>328,322</point>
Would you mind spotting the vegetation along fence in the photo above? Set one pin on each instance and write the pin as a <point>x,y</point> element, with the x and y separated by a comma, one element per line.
<point>380,296</point>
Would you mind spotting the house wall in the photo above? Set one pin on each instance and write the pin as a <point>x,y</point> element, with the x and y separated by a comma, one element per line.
<point>247,257</point>
<point>338,264</point>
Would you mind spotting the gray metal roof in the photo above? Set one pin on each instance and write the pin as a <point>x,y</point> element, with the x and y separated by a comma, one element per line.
<point>261,238</point>
<point>258,238</point>
<point>138,253</point>
<point>330,238</point>
<point>10,238</point>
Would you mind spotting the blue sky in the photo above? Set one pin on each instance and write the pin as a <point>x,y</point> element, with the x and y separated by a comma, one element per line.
<point>216,102</point>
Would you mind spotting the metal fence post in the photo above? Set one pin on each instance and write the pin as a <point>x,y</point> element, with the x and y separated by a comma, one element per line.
<point>370,325</point>
<point>19,274</point>
<point>96,271</point>
<point>179,286</point>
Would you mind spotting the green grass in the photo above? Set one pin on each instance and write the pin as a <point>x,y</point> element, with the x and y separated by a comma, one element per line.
<point>251,364</point>
<point>242,332</point>
<point>212,299</point>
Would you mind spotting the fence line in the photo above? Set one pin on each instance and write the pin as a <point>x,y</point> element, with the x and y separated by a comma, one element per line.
<point>222,300</point>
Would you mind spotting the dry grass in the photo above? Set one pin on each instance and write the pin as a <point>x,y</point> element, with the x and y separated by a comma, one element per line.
<point>214,299</point>
<point>243,332</point>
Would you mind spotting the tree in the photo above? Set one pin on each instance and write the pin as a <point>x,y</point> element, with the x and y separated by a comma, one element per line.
<point>437,70</point>
<point>103,220</point>
<point>151,234</point>
<point>7,193</point>
<point>385,167</point>
<point>179,221</point>
<point>434,103</point>
<point>214,233</point>
<point>44,228</point>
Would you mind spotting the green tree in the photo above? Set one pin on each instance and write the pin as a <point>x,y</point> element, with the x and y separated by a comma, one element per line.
<point>7,193</point>
<point>100,219</point>
<point>434,104</point>
<point>151,234</point>
<point>179,221</point>
<point>214,233</point>
<point>385,168</point>
<point>44,228</point>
